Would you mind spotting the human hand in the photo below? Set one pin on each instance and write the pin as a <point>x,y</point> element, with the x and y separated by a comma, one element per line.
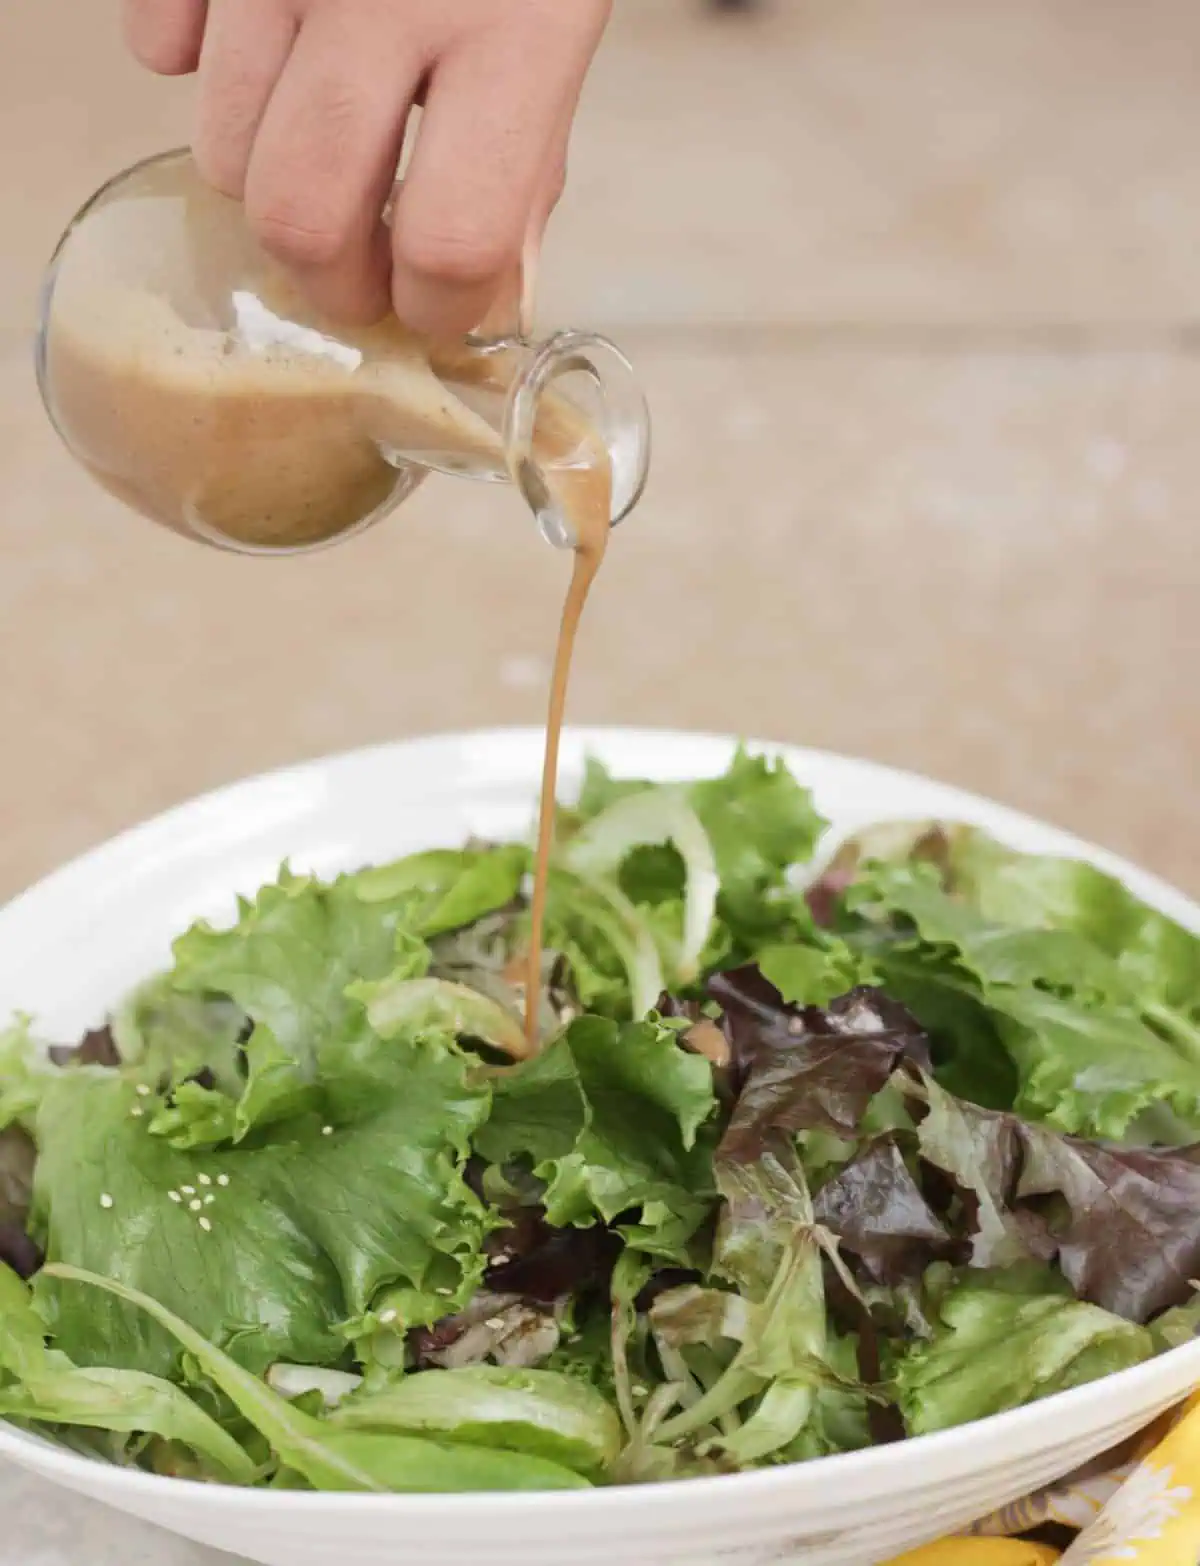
<point>303,106</point>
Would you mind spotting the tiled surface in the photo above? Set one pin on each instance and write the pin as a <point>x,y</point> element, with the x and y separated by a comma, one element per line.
<point>944,516</point>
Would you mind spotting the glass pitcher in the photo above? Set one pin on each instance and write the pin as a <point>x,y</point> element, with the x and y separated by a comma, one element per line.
<point>184,370</point>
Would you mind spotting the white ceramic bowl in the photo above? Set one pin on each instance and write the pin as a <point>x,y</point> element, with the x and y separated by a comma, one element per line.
<point>73,944</point>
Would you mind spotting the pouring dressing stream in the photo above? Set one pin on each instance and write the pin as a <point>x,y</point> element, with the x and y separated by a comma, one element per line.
<point>184,371</point>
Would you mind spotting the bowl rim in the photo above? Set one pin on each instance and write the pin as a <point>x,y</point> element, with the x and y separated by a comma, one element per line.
<point>875,1464</point>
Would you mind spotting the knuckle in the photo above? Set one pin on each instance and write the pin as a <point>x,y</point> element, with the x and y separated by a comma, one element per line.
<point>456,256</point>
<point>289,231</point>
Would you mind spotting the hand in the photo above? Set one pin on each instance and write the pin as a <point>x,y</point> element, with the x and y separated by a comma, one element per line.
<point>302,112</point>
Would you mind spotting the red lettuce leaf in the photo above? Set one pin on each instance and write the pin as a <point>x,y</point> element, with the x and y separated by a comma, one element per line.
<point>807,1068</point>
<point>878,1212</point>
<point>1123,1222</point>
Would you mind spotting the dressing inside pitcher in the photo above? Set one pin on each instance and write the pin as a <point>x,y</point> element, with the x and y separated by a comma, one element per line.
<point>188,374</point>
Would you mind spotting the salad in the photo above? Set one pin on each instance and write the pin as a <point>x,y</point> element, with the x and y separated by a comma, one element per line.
<point>822,1148</point>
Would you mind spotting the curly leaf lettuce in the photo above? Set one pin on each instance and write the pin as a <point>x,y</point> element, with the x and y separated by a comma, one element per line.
<point>268,1248</point>
<point>1092,1051</point>
<point>1005,1339</point>
<point>612,1119</point>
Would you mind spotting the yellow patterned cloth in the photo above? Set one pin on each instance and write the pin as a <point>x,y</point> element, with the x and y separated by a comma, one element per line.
<point>1138,1507</point>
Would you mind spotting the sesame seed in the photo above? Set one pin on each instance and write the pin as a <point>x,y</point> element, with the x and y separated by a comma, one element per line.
<point>638,1391</point>
<point>326,1130</point>
<point>175,1196</point>
<point>142,1090</point>
<point>188,1190</point>
<point>195,1205</point>
<point>204,1179</point>
<point>206,1225</point>
<point>494,1322</point>
<point>209,1199</point>
<point>501,1259</point>
<point>136,1112</point>
<point>445,1293</point>
<point>222,1179</point>
<point>106,1200</point>
<point>388,1316</point>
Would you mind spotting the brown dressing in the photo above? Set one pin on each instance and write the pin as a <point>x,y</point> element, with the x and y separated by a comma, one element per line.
<point>585,495</point>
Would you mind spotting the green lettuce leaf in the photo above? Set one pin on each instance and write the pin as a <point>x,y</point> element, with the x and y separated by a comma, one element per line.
<point>165,1035</point>
<point>269,1247</point>
<point>416,1008</point>
<point>43,1385</point>
<point>1090,1056</point>
<point>290,957</point>
<point>839,1421</point>
<point>611,1118</point>
<point>767,1249</point>
<point>329,1458</point>
<point>814,975</point>
<point>1159,958</point>
<point>1004,1339</point>
<point>541,1412</point>
<point>25,1074</point>
<point>445,889</point>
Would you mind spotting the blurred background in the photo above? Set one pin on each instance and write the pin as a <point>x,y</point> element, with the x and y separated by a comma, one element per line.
<point>914,286</point>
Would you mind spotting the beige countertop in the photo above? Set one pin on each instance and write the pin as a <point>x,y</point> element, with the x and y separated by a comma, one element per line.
<point>914,289</point>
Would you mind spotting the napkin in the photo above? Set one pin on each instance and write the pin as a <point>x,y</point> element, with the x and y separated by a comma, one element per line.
<point>1140,1506</point>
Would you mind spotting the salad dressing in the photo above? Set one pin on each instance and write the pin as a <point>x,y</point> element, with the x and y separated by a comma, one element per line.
<point>585,496</point>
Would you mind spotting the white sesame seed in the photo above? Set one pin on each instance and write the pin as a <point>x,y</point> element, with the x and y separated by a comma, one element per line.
<point>188,1190</point>
<point>142,1090</point>
<point>494,1322</point>
<point>106,1200</point>
<point>638,1391</point>
<point>136,1112</point>
<point>209,1199</point>
<point>388,1316</point>
<point>326,1130</point>
<point>206,1225</point>
<point>501,1259</point>
<point>222,1179</point>
<point>175,1196</point>
<point>204,1179</point>
<point>195,1205</point>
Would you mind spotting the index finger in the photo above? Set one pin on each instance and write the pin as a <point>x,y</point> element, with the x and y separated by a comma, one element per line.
<point>165,35</point>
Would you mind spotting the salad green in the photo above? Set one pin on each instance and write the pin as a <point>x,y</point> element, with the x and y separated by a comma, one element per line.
<point>805,1162</point>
